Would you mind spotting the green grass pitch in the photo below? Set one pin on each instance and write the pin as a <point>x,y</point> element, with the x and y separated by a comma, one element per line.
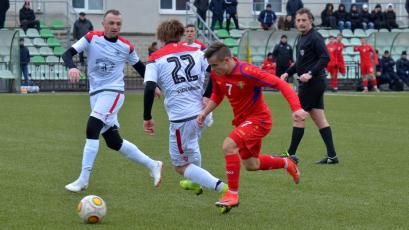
<point>42,136</point>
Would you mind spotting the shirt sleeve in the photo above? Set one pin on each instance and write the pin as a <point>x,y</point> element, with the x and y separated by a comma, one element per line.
<point>203,62</point>
<point>323,56</point>
<point>151,72</point>
<point>81,44</point>
<point>217,93</point>
<point>133,58</point>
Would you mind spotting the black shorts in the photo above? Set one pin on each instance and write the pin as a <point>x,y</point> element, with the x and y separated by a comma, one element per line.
<point>312,95</point>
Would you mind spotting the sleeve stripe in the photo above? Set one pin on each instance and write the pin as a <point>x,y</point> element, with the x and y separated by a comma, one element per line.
<point>254,78</point>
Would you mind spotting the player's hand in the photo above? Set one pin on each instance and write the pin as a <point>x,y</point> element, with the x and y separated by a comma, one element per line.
<point>74,74</point>
<point>201,119</point>
<point>305,77</point>
<point>284,76</point>
<point>149,127</point>
<point>300,115</point>
<point>158,92</point>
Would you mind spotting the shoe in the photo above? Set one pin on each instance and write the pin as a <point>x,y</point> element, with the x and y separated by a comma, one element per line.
<point>156,173</point>
<point>76,186</point>
<point>377,90</point>
<point>189,185</point>
<point>292,169</point>
<point>229,199</point>
<point>328,160</point>
<point>365,90</point>
<point>292,157</point>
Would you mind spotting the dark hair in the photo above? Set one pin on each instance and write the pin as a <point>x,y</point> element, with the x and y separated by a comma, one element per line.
<point>190,25</point>
<point>269,54</point>
<point>112,11</point>
<point>386,52</point>
<point>283,36</point>
<point>404,52</point>
<point>170,31</point>
<point>307,12</point>
<point>268,5</point>
<point>218,49</point>
<point>82,14</point>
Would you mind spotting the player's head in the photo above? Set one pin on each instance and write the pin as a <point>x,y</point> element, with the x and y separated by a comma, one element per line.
<point>283,38</point>
<point>170,31</point>
<point>386,53</point>
<point>304,20</point>
<point>270,56</point>
<point>331,39</point>
<point>219,58</point>
<point>112,23</point>
<point>339,37</point>
<point>190,32</point>
<point>363,40</point>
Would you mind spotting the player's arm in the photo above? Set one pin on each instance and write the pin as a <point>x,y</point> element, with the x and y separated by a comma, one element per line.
<point>73,72</point>
<point>215,99</point>
<point>375,56</point>
<point>151,76</point>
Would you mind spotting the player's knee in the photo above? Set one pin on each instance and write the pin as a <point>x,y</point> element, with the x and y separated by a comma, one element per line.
<point>229,146</point>
<point>94,127</point>
<point>180,169</point>
<point>251,165</point>
<point>113,139</point>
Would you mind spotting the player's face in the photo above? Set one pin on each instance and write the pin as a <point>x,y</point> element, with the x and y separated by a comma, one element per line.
<point>190,33</point>
<point>339,38</point>
<point>303,23</point>
<point>221,67</point>
<point>331,40</point>
<point>112,25</point>
<point>363,41</point>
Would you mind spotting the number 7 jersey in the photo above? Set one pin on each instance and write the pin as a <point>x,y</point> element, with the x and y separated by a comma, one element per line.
<point>179,71</point>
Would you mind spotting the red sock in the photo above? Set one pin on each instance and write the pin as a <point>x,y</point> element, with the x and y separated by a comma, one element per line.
<point>365,83</point>
<point>233,171</point>
<point>373,82</point>
<point>268,162</point>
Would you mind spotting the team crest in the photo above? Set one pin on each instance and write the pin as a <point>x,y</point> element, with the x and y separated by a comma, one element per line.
<point>302,52</point>
<point>240,84</point>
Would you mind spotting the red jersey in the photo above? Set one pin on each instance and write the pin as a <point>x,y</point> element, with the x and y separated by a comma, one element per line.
<point>243,90</point>
<point>365,53</point>
<point>269,66</point>
<point>335,51</point>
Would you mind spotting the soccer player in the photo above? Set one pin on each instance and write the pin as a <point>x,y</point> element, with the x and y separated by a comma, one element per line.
<point>336,63</point>
<point>312,58</point>
<point>190,35</point>
<point>242,84</point>
<point>367,66</point>
<point>179,70</point>
<point>107,54</point>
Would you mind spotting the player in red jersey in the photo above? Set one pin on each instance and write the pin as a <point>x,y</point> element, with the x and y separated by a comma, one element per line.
<point>268,64</point>
<point>367,65</point>
<point>190,35</point>
<point>336,63</point>
<point>242,84</point>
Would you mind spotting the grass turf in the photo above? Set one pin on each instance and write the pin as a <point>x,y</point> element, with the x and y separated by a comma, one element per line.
<point>42,136</point>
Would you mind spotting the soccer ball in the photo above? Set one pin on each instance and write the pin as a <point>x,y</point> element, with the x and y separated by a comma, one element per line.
<point>92,209</point>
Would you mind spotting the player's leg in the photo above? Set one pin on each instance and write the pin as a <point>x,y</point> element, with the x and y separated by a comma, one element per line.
<point>365,72</point>
<point>373,79</point>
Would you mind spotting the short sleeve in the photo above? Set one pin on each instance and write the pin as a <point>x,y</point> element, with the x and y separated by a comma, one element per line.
<point>133,58</point>
<point>81,44</point>
<point>151,72</point>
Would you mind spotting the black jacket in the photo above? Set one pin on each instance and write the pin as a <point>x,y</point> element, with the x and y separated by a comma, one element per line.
<point>387,64</point>
<point>81,27</point>
<point>217,7</point>
<point>201,4</point>
<point>230,6</point>
<point>325,17</point>
<point>378,17</point>
<point>24,55</point>
<point>341,15</point>
<point>366,17</point>
<point>390,17</point>
<point>355,17</point>
<point>4,6</point>
<point>26,14</point>
<point>311,56</point>
<point>402,67</point>
<point>283,55</point>
<point>292,6</point>
<point>267,17</point>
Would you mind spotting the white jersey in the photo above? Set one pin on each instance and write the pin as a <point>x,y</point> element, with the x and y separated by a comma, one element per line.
<point>106,60</point>
<point>179,71</point>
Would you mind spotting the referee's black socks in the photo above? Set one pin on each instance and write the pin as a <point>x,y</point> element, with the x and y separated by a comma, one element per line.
<point>326,135</point>
<point>296,137</point>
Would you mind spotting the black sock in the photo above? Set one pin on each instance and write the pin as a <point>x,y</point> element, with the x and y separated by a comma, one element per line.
<point>326,135</point>
<point>296,137</point>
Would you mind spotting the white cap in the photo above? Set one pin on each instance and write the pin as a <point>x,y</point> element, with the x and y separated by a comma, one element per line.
<point>390,5</point>
<point>365,6</point>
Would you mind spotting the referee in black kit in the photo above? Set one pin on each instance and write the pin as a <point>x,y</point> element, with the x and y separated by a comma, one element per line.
<point>312,58</point>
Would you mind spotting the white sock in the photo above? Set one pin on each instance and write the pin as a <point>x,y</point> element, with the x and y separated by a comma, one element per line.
<point>201,176</point>
<point>133,153</point>
<point>88,157</point>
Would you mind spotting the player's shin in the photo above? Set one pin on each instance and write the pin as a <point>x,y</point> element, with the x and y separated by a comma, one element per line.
<point>89,154</point>
<point>268,162</point>
<point>202,177</point>
<point>233,171</point>
<point>134,154</point>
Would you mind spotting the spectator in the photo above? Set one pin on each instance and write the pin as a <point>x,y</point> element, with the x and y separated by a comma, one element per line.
<point>378,17</point>
<point>4,6</point>
<point>284,23</point>
<point>267,18</point>
<point>24,60</point>
<point>390,17</point>
<point>366,18</point>
<point>292,7</point>
<point>355,17</point>
<point>283,56</point>
<point>402,68</point>
<point>268,65</point>
<point>342,17</point>
<point>388,74</point>
<point>231,12</point>
<point>201,6</point>
<point>27,17</point>
<point>327,17</point>
<point>81,27</point>
<point>152,48</point>
<point>217,8</point>
<point>407,6</point>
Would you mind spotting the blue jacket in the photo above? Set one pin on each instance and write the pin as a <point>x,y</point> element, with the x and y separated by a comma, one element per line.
<point>217,7</point>
<point>402,67</point>
<point>267,17</point>
<point>230,6</point>
<point>24,55</point>
<point>387,64</point>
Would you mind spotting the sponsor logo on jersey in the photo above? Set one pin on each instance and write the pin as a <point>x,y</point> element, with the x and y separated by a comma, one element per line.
<point>240,84</point>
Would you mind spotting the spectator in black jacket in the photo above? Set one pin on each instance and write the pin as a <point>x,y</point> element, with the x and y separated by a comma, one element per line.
<point>407,6</point>
<point>282,56</point>
<point>402,68</point>
<point>292,7</point>
<point>217,8</point>
<point>27,17</point>
<point>4,6</point>
<point>81,27</point>
<point>267,18</point>
<point>327,17</point>
<point>231,12</point>
<point>202,6</point>
<point>390,17</point>
<point>342,17</point>
<point>388,74</point>
<point>366,18</point>
<point>24,60</point>
<point>378,17</point>
<point>355,17</point>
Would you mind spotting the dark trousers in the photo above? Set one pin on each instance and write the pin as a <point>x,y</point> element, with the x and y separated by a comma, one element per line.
<point>2,19</point>
<point>24,71</point>
<point>229,17</point>
<point>202,14</point>
<point>25,24</point>
<point>217,18</point>
<point>405,78</point>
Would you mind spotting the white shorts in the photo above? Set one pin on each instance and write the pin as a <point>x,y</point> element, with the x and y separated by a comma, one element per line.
<point>184,142</point>
<point>105,107</point>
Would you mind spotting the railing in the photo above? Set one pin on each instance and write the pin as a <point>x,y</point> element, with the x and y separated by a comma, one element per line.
<point>204,31</point>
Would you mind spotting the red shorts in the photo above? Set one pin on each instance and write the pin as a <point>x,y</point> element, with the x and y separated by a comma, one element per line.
<point>248,136</point>
<point>367,69</point>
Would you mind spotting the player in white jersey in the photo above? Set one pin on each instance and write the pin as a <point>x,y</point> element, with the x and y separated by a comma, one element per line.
<point>179,71</point>
<point>107,55</point>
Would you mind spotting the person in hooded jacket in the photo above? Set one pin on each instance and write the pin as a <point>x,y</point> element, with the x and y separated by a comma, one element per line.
<point>390,18</point>
<point>342,17</point>
<point>27,17</point>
